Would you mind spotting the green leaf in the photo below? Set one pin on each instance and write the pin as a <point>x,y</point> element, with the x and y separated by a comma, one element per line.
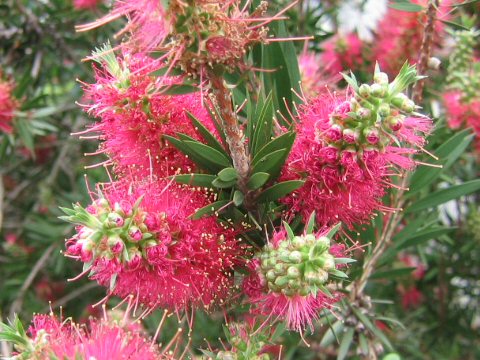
<point>202,180</point>
<point>279,190</point>
<point>289,230</point>
<point>447,153</point>
<point>310,224</point>
<point>421,236</point>
<point>334,230</point>
<point>209,209</point>
<point>405,5</point>
<point>370,326</point>
<point>331,334</point>
<point>238,198</point>
<point>344,260</point>
<point>208,153</point>
<point>455,25</point>
<point>284,141</point>
<point>228,174</point>
<point>206,134</point>
<point>442,196</point>
<point>392,274</point>
<point>338,273</point>
<point>351,80</point>
<point>271,163</point>
<point>257,180</point>
<point>345,344</point>
<point>262,128</point>
<point>223,184</point>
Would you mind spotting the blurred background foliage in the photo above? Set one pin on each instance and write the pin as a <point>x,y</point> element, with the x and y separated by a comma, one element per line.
<point>426,289</point>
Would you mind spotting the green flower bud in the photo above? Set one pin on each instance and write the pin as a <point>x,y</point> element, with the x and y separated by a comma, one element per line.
<point>384,110</point>
<point>378,90</point>
<point>364,90</point>
<point>324,241</point>
<point>293,272</point>
<point>408,106</point>
<point>295,257</point>
<point>364,113</point>
<point>380,78</point>
<point>281,281</point>
<point>298,241</point>
<point>271,276</point>
<point>294,284</point>
<point>279,268</point>
<point>329,263</point>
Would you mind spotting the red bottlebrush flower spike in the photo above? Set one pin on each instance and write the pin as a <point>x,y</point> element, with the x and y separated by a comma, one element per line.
<point>85,4</point>
<point>345,149</point>
<point>289,277</point>
<point>224,31</point>
<point>139,241</point>
<point>8,106</point>
<point>101,340</point>
<point>342,52</point>
<point>400,35</point>
<point>134,117</point>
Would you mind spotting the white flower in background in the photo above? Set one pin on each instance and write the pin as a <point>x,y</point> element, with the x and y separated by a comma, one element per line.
<point>362,16</point>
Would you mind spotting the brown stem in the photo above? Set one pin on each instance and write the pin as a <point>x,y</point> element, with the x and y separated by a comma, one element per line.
<point>426,48</point>
<point>382,244</point>
<point>233,132</point>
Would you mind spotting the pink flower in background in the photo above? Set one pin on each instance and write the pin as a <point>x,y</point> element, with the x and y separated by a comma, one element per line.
<point>85,4</point>
<point>400,35</point>
<point>314,74</point>
<point>8,106</point>
<point>462,113</point>
<point>100,340</point>
<point>411,298</point>
<point>414,261</point>
<point>342,52</point>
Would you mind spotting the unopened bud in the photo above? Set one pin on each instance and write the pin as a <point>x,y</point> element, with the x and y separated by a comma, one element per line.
<point>329,263</point>
<point>350,136</point>
<point>293,272</point>
<point>295,257</point>
<point>364,113</point>
<point>371,135</point>
<point>135,233</point>
<point>380,78</point>
<point>364,90</point>
<point>395,122</point>
<point>408,106</point>
<point>434,63</point>
<point>378,90</point>
<point>384,110</point>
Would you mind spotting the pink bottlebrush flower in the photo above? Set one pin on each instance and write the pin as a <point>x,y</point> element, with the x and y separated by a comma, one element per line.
<point>346,157</point>
<point>177,262</point>
<point>297,311</point>
<point>314,77</point>
<point>342,52</point>
<point>288,277</point>
<point>462,113</point>
<point>224,31</point>
<point>411,298</point>
<point>8,106</point>
<point>400,35</point>
<point>100,340</point>
<point>134,118</point>
<point>85,4</point>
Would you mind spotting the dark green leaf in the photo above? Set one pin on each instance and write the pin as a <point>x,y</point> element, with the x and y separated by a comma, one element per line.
<point>228,174</point>
<point>206,134</point>
<point>345,344</point>
<point>238,198</point>
<point>209,209</point>
<point>284,141</point>
<point>257,180</point>
<point>202,180</point>
<point>405,6</point>
<point>208,153</point>
<point>392,274</point>
<point>279,190</point>
<point>271,163</point>
<point>442,196</point>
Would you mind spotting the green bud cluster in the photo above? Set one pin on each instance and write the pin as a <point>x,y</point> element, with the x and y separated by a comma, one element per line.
<point>110,231</point>
<point>374,114</point>
<point>299,266</point>
<point>473,224</point>
<point>461,58</point>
